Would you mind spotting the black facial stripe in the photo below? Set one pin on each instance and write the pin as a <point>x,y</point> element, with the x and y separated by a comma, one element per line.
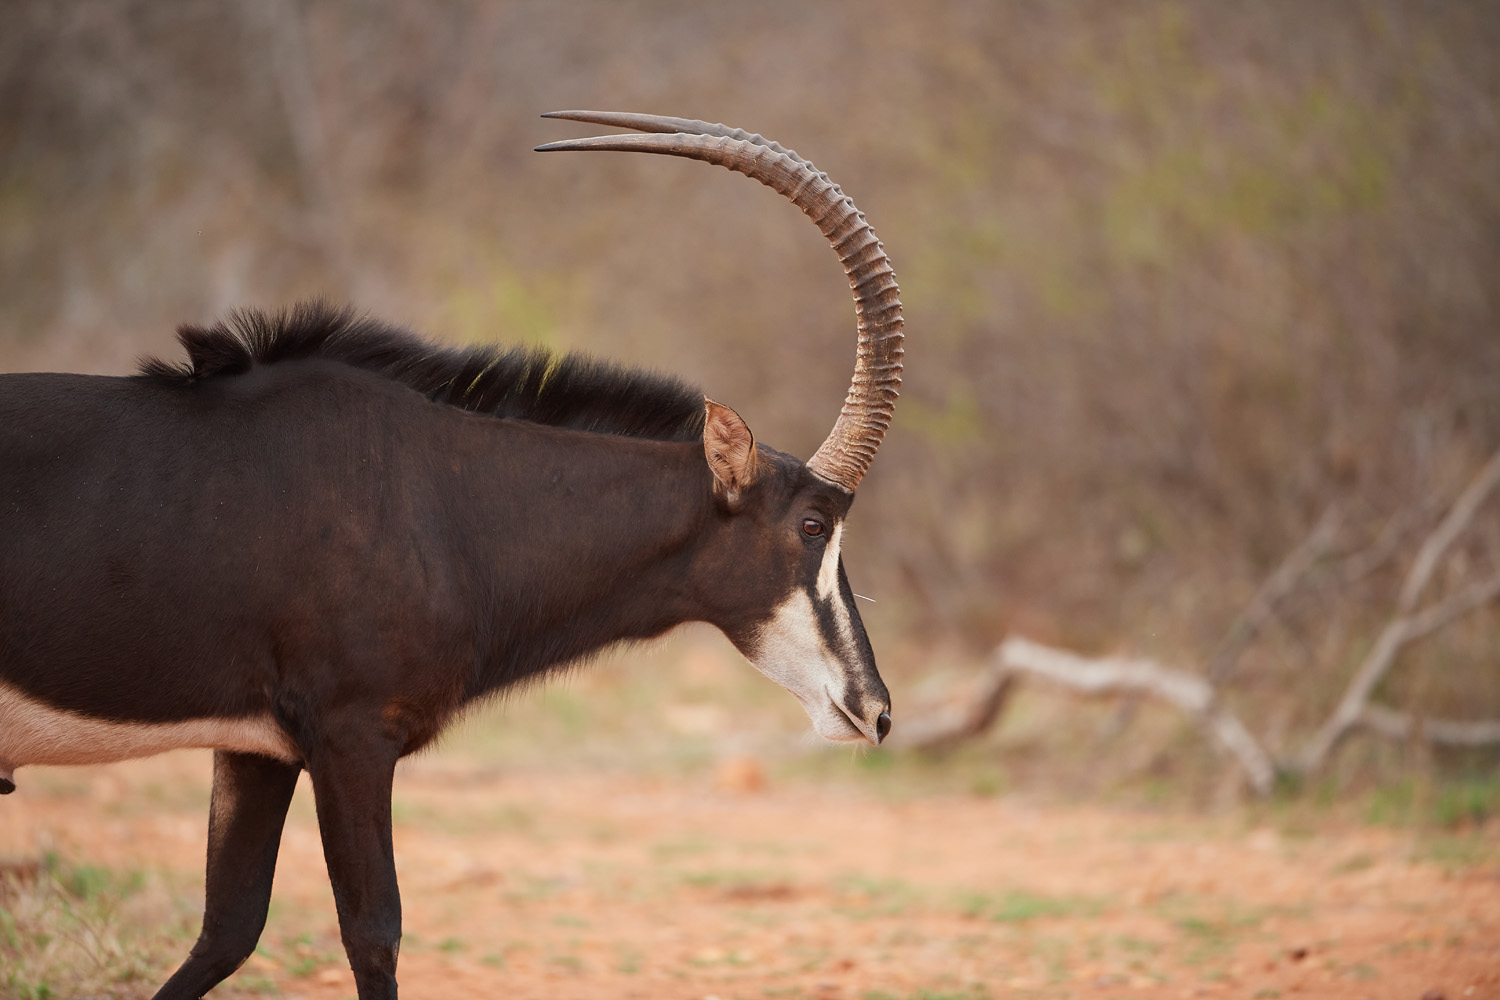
<point>828,622</point>
<point>863,685</point>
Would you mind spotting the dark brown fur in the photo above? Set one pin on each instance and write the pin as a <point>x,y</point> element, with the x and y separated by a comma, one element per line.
<point>318,521</point>
<point>525,383</point>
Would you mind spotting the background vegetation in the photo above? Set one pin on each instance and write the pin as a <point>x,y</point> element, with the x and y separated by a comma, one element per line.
<point>1180,279</point>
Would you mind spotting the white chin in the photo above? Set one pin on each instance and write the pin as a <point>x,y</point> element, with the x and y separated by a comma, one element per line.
<point>833,725</point>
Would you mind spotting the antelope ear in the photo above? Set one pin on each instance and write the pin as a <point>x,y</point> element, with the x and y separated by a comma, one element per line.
<point>730,449</point>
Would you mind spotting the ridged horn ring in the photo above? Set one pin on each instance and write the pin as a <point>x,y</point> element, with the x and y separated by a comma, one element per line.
<point>845,455</point>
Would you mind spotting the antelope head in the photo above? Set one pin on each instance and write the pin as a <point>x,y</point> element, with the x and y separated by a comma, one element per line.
<point>774,561</point>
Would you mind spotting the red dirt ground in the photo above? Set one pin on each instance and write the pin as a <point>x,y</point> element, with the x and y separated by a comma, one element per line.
<point>585,886</point>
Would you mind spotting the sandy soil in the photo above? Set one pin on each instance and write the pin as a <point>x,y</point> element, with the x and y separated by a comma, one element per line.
<point>587,886</point>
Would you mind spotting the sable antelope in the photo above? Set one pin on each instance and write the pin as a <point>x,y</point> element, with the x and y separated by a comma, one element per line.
<point>319,538</point>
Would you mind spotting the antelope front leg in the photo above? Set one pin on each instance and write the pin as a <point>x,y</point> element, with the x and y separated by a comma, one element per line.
<point>352,785</point>
<point>250,799</point>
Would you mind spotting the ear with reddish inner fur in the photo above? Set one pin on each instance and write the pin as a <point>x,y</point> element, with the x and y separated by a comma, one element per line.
<point>730,449</point>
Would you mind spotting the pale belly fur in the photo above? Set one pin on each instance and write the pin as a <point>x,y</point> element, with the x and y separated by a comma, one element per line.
<point>34,733</point>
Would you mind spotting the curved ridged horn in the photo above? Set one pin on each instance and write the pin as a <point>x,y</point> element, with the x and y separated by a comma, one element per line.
<point>850,447</point>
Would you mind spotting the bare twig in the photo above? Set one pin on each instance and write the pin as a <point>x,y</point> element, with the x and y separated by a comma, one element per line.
<point>1275,588</point>
<point>1360,564</point>
<point>1459,516</point>
<point>944,728</point>
<point>1405,626</point>
<point>1451,608</point>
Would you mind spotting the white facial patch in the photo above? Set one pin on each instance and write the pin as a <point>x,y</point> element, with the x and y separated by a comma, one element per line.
<point>828,571</point>
<point>791,651</point>
<point>32,732</point>
<point>828,586</point>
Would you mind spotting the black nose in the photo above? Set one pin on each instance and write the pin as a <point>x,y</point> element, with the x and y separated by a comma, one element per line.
<point>883,725</point>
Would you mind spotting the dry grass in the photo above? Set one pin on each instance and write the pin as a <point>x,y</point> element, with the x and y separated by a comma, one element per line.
<point>78,929</point>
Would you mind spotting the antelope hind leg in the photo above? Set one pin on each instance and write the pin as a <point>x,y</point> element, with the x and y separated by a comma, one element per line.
<point>250,798</point>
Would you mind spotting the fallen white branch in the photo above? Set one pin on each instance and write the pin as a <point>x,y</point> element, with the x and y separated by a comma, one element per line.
<point>1447,732</point>
<point>1106,675</point>
<point>1198,696</point>
<point>1112,675</point>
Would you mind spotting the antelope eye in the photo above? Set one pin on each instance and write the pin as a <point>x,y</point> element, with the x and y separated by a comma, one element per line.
<point>812,528</point>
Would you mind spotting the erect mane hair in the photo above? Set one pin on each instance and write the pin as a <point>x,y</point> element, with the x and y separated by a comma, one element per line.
<point>524,383</point>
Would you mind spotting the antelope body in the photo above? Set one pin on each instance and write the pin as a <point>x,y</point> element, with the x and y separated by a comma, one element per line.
<point>320,538</point>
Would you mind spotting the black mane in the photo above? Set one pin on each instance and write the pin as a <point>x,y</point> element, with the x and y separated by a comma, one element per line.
<point>524,383</point>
